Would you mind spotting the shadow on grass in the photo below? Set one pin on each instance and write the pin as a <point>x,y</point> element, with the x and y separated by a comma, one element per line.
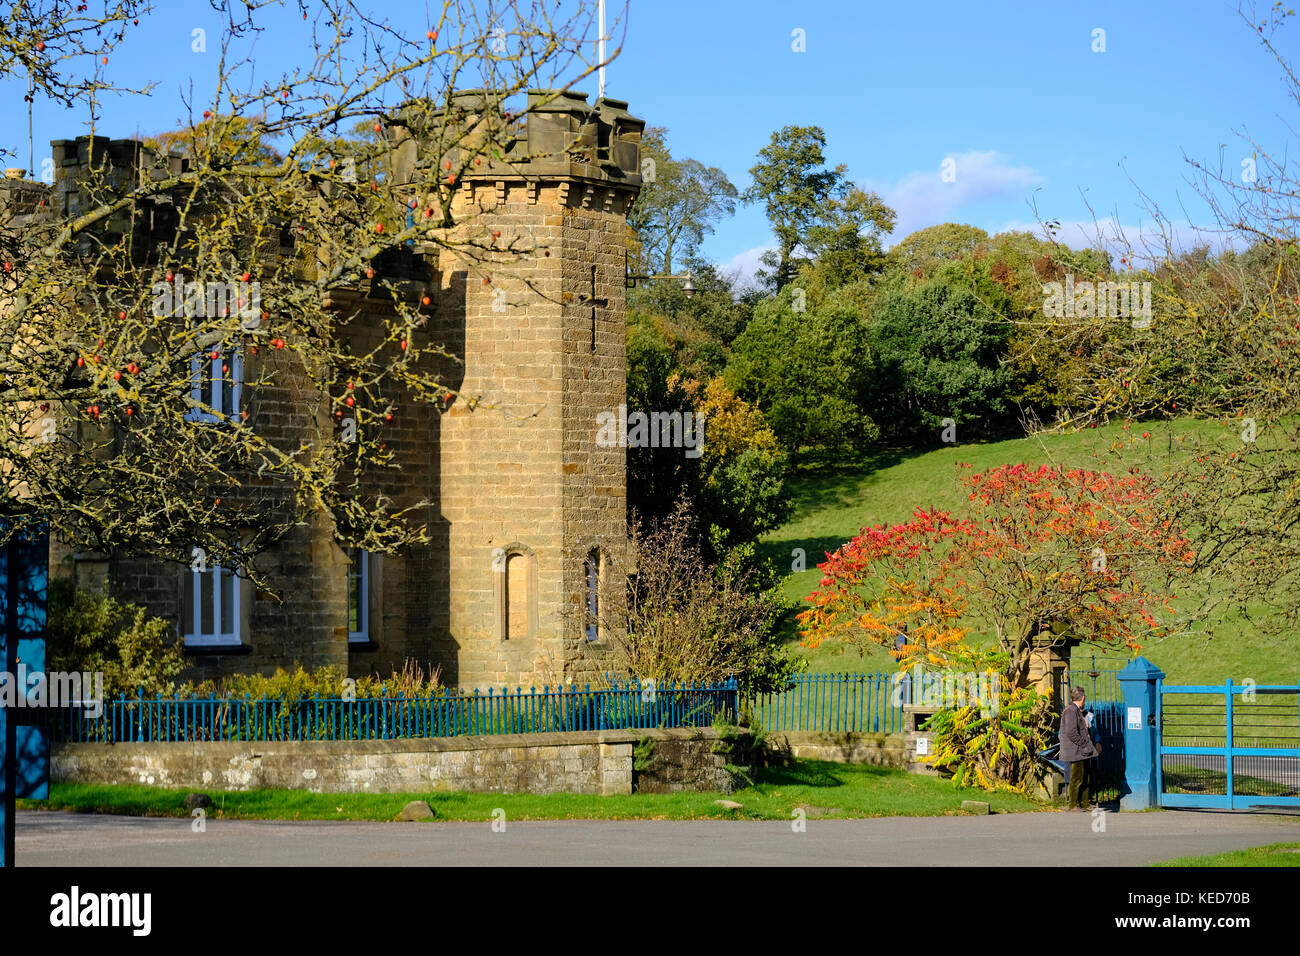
<point>817,773</point>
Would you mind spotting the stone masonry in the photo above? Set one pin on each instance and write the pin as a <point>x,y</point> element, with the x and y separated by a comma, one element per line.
<point>524,494</point>
<point>593,762</point>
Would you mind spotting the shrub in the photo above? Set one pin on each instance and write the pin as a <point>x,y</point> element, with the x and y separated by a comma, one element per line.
<point>300,683</point>
<point>995,749</point>
<point>689,620</point>
<point>92,631</point>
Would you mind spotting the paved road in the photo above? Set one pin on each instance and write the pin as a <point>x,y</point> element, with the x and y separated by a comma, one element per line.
<point>1047,839</point>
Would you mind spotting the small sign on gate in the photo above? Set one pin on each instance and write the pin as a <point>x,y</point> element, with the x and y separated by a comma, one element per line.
<point>1135,718</point>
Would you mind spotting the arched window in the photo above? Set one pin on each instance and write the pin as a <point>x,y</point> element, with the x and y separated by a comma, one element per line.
<point>591,570</point>
<point>514,582</point>
<point>516,596</point>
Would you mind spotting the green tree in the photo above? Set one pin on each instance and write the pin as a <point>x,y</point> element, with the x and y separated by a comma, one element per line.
<point>680,201</point>
<point>922,252</point>
<point>737,486</point>
<point>846,240</point>
<point>806,370</point>
<point>936,354</point>
<point>794,186</point>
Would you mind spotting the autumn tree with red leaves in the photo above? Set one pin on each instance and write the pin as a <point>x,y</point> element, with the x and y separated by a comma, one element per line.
<point>1040,555</point>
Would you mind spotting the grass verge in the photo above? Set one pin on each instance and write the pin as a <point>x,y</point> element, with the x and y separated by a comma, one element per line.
<point>1275,854</point>
<point>823,790</point>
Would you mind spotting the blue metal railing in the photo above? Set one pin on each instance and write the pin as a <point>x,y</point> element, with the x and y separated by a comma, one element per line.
<point>626,705</point>
<point>856,703</point>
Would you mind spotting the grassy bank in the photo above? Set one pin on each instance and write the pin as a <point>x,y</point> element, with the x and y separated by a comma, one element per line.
<point>834,501</point>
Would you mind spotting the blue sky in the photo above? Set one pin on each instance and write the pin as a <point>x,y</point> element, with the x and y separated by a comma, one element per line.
<point>1013,92</point>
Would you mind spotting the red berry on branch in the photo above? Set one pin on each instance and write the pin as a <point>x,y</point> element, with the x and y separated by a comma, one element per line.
<point>379,227</point>
<point>370,273</point>
<point>243,278</point>
<point>117,376</point>
<point>403,343</point>
<point>425,300</point>
<point>349,401</point>
<point>388,417</point>
<point>80,361</point>
<point>40,46</point>
<point>432,34</point>
<point>130,410</point>
<point>170,276</point>
<point>379,128</point>
<point>132,368</point>
<point>215,355</point>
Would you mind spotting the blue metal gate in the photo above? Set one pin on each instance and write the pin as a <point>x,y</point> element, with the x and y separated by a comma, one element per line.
<point>24,744</point>
<point>1106,704</point>
<point>1231,746</point>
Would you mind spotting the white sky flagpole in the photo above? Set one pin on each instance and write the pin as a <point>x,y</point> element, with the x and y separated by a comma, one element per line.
<point>601,57</point>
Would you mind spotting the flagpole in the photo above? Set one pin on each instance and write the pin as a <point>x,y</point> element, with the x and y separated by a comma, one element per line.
<point>601,94</point>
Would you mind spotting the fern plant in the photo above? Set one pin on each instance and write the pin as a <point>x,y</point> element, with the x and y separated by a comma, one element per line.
<point>994,749</point>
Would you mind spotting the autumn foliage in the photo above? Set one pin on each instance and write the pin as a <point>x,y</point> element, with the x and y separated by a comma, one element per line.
<point>1037,556</point>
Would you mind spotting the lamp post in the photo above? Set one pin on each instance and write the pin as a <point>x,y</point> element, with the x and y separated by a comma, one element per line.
<point>687,280</point>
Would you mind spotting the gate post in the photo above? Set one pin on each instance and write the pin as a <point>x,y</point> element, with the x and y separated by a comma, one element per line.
<point>1139,681</point>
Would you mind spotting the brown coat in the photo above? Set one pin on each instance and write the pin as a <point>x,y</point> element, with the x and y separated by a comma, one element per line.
<point>1076,742</point>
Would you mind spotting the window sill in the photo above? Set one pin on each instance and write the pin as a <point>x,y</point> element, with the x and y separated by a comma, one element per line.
<point>213,650</point>
<point>362,645</point>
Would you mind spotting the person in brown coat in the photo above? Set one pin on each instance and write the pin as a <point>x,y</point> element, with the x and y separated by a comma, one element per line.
<point>1077,748</point>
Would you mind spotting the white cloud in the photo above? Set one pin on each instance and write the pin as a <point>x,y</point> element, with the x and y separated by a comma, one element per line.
<point>745,265</point>
<point>923,199</point>
<point>1146,242</point>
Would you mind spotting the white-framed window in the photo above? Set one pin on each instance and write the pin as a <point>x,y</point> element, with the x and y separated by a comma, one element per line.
<point>217,382</point>
<point>359,562</point>
<point>210,607</point>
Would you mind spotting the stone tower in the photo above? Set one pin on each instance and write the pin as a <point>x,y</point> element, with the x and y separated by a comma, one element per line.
<point>535,510</point>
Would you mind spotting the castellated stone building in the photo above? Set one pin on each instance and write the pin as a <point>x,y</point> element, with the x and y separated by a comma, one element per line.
<point>530,515</point>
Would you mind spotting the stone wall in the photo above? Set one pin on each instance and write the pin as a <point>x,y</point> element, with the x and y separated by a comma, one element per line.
<point>881,750</point>
<point>589,762</point>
